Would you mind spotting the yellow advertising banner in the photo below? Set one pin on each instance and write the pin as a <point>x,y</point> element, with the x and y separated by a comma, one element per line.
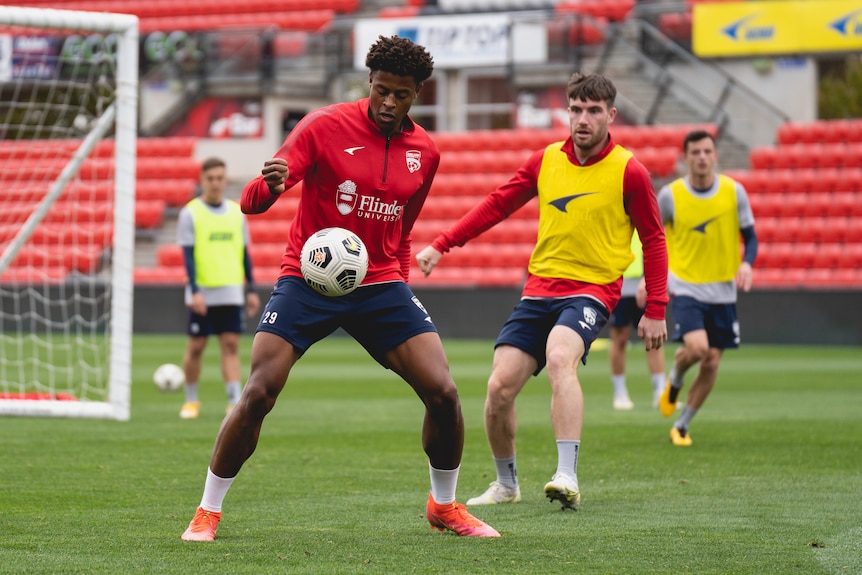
<point>776,27</point>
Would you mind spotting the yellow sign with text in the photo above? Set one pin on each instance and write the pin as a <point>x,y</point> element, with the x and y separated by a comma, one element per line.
<point>775,28</point>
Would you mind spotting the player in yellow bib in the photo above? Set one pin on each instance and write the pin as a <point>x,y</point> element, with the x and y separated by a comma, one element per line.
<point>592,195</point>
<point>214,236</point>
<point>704,215</point>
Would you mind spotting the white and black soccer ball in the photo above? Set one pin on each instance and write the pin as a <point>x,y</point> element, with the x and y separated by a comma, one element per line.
<point>334,261</point>
<point>169,377</point>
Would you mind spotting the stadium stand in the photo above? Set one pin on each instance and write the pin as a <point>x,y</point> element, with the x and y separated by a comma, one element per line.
<point>806,194</point>
<point>209,15</point>
<point>74,235</point>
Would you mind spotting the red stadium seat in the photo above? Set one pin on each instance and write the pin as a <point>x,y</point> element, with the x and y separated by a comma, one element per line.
<point>763,158</point>
<point>266,255</point>
<point>30,275</point>
<point>169,255</point>
<point>159,275</point>
<point>149,214</point>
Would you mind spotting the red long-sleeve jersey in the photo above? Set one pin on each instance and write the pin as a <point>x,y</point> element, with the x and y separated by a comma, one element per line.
<point>638,201</point>
<point>354,177</point>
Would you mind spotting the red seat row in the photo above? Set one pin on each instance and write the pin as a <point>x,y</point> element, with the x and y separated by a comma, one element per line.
<point>81,258</point>
<point>53,149</point>
<point>809,229</point>
<point>170,8</point>
<point>309,20</point>
<point>42,170</point>
<point>828,205</point>
<point>175,193</point>
<point>808,255</point>
<point>799,181</point>
<point>148,214</point>
<point>34,275</point>
<point>807,156</point>
<point>821,132</point>
<point>660,162</point>
<point>634,137</point>
<point>802,278</point>
<point>453,207</point>
<point>509,231</point>
<point>54,234</point>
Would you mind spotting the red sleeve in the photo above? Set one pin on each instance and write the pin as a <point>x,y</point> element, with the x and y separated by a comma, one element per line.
<point>299,145</point>
<point>256,197</point>
<point>640,202</point>
<point>496,207</point>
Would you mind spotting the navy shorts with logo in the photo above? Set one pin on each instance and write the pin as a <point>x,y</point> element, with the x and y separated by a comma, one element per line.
<point>532,320</point>
<point>219,319</point>
<point>718,319</point>
<point>626,313</point>
<point>380,317</point>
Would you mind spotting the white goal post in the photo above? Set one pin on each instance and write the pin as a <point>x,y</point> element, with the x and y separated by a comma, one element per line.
<point>68,132</point>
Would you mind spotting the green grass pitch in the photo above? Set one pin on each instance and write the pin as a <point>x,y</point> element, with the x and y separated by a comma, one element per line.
<point>339,481</point>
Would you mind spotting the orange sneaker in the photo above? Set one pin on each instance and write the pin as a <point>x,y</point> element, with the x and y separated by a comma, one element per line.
<point>203,526</point>
<point>454,517</point>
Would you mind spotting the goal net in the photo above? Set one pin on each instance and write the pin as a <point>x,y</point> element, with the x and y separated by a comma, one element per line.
<point>68,126</point>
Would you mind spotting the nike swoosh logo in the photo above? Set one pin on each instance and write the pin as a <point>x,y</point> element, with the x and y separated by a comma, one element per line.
<point>560,203</point>
<point>351,151</point>
<point>702,227</point>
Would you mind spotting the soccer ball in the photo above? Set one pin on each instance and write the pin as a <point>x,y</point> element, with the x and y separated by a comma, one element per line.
<point>169,377</point>
<point>334,261</point>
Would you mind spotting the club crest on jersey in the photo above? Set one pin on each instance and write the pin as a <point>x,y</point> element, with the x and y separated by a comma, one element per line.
<point>414,160</point>
<point>345,197</point>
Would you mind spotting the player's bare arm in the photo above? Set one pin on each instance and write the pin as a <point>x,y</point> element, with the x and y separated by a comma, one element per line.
<point>743,276</point>
<point>427,259</point>
<point>275,173</point>
<point>653,332</point>
<point>198,305</point>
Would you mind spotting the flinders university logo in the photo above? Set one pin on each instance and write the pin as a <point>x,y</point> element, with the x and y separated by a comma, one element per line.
<point>345,197</point>
<point>414,160</point>
<point>849,25</point>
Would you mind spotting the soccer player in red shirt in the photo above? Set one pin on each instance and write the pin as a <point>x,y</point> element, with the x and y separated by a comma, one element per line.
<point>592,195</point>
<point>365,166</point>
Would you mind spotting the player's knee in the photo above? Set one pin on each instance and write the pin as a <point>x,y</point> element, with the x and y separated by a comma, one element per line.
<point>444,400</point>
<point>560,361</point>
<point>500,393</point>
<point>697,351</point>
<point>258,399</point>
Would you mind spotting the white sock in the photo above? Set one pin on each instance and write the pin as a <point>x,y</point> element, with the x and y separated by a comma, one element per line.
<point>619,382</point>
<point>191,391</point>
<point>443,484</point>
<point>507,473</point>
<point>233,389</point>
<point>215,490</point>
<point>567,456</point>
<point>658,382</point>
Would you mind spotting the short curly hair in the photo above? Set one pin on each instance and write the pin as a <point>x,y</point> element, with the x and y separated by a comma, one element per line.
<point>591,87</point>
<point>400,56</point>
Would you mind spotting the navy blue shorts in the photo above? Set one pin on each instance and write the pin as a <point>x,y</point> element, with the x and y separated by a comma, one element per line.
<point>219,319</point>
<point>380,317</point>
<point>626,313</point>
<point>718,319</point>
<point>532,320</point>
